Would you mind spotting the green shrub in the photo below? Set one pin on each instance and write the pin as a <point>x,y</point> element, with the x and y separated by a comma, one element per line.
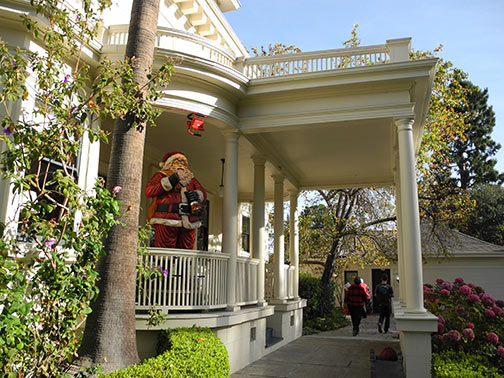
<point>184,352</point>
<point>309,288</point>
<point>452,364</point>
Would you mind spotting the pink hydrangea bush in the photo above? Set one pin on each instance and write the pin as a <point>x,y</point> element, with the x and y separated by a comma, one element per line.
<point>469,319</point>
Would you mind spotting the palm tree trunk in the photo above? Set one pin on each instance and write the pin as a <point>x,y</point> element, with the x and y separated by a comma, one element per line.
<point>109,337</point>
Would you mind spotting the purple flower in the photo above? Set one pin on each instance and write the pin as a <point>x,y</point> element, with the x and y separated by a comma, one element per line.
<point>489,313</point>
<point>487,299</point>
<point>439,280</point>
<point>14,63</point>
<point>472,298</point>
<point>468,334</point>
<point>492,338</point>
<point>471,285</point>
<point>453,335</point>
<point>459,280</point>
<point>49,242</point>
<point>500,351</point>
<point>479,290</point>
<point>73,110</point>
<point>8,131</point>
<point>461,311</point>
<point>470,325</point>
<point>447,286</point>
<point>464,289</point>
<point>165,272</point>
<point>497,310</point>
<point>67,77</point>
<point>500,303</point>
<point>446,292</point>
<point>440,327</point>
<point>440,319</point>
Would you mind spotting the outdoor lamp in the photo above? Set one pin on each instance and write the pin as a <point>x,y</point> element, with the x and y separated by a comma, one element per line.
<point>220,191</point>
<point>195,123</point>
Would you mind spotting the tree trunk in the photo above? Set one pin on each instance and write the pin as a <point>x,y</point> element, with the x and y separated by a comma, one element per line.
<point>110,337</point>
<point>326,300</point>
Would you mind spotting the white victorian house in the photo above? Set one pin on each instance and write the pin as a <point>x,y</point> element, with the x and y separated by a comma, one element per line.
<point>321,119</point>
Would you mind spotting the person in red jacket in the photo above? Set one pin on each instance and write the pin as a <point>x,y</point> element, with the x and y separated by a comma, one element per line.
<point>177,196</point>
<point>355,298</point>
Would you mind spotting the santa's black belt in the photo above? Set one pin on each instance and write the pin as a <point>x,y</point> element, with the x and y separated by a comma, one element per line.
<point>173,208</point>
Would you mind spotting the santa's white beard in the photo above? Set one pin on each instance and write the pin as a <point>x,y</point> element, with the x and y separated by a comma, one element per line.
<point>184,174</point>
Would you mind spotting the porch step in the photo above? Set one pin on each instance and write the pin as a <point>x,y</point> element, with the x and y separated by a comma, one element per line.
<point>270,339</point>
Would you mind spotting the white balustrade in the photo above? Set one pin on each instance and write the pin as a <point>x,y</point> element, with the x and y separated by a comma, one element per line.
<point>193,280</point>
<point>314,61</point>
<point>177,41</point>
<point>290,272</point>
<point>246,281</point>
<point>187,280</point>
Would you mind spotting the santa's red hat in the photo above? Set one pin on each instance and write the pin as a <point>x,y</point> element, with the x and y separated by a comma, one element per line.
<point>170,156</point>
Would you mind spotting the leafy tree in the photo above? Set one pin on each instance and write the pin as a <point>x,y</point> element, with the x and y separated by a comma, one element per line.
<point>471,155</point>
<point>110,329</point>
<point>346,225</point>
<point>48,253</point>
<point>486,221</point>
<point>442,203</point>
<point>276,49</point>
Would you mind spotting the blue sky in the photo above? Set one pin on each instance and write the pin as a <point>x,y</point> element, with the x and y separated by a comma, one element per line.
<point>472,33</point>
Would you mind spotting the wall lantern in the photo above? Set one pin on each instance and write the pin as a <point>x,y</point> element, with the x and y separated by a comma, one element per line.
<point>195,123</point>
<point>220,191</point>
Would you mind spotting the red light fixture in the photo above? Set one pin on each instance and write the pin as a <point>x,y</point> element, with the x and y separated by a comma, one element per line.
<point>195,123</point>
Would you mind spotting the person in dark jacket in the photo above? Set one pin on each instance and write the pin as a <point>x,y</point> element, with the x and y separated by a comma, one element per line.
<point>383,298</point>
<point>355,299</point>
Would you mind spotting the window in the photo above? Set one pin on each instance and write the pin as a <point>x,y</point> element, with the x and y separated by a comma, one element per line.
<point>44,171</point>
<point>245,235</point>
<point>350,276</point>
<point>202,236</point>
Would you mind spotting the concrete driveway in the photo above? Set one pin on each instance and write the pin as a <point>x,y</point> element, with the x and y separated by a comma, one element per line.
<point>335,354</point>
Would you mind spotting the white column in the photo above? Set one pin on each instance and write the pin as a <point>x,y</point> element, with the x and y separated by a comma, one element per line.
<point>294,239</point>
<point>278,241</point>
<point>410,218</point>
<point>258,224</point>
<point>230,214</point>
<point>400,239</point>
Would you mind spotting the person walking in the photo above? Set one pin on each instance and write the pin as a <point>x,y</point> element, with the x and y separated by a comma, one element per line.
<point>383,297</point>
<point>355,299</point>
<point>368,294</point>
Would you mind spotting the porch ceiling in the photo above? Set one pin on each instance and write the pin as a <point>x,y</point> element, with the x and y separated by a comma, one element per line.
<point>329,155</point>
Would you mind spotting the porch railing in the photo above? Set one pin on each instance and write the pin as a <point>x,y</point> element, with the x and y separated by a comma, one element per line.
<point>177,41</point>
<point>289,274</point>
<point>188,280</point>
<point>193,280</point>
<point>314,61</point>
<point>246,281</point>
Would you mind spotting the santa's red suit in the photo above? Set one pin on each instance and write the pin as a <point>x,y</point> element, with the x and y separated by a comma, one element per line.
<point>173,220</point>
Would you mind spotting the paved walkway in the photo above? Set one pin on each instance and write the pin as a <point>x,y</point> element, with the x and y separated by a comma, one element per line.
<point>335,354</point>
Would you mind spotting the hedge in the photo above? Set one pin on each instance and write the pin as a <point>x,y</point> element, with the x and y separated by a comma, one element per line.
<point>183,352</point>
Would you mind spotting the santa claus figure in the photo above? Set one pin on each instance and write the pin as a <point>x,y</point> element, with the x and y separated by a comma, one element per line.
<point>177,197</point>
